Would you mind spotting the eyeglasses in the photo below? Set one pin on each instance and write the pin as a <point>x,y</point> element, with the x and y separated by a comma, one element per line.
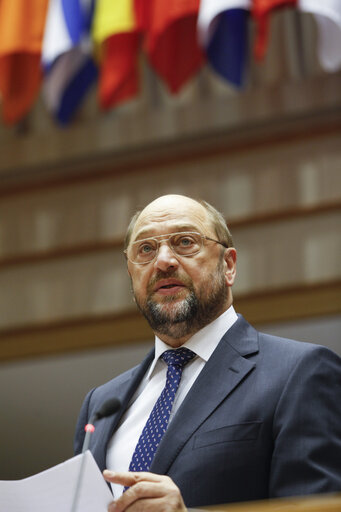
<point>182,244</point>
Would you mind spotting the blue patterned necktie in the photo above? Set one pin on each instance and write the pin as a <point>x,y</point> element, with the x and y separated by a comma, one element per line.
<point>157,422</point>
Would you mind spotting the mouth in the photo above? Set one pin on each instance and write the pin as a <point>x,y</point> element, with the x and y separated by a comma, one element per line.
<point>169,287</point>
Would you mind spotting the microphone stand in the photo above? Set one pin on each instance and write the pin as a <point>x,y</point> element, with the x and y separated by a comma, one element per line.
<point>89,429</point>
<point>108,408</point>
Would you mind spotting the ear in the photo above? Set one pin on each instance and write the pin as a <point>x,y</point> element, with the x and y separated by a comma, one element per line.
<point>131,283</point>
<point>127,267</point>
<point>230,258</point>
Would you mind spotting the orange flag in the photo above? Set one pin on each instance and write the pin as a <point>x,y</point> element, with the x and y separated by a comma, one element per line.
<point>116,37</point>
<point>21,33</point>
<point>171,39</point>
<point>261,13</point>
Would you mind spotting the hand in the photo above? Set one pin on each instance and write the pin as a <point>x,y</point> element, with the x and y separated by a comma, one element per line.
<point>147,492</point>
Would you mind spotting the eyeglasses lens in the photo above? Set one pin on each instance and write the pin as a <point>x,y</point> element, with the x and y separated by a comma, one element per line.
<point>182,244</point>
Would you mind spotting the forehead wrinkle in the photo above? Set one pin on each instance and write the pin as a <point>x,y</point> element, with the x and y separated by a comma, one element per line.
<point>167,216</point>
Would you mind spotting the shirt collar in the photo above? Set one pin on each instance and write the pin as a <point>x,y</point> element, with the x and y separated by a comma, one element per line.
<point>203,342</point>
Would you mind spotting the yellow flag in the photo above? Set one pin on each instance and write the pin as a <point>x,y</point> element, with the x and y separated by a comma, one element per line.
<point>112,17</point>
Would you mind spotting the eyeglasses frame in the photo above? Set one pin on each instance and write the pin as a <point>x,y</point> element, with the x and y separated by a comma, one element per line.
<point>203,237</point>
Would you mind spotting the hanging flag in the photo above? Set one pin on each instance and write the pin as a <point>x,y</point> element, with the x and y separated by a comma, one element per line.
<point>261,10</point>
<point>223,32</point>
<point>171,39</point>
<point>327,14</point>
<point>21,33</point>
<point>67,56</point>
<point>116,36</point>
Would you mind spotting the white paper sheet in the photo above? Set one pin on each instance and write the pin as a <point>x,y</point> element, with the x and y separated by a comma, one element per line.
<point>53,490</point>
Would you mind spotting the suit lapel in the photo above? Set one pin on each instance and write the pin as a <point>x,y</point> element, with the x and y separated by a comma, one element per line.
<point>124,392</point>
<point>127,392</point>
<point>222,373</point>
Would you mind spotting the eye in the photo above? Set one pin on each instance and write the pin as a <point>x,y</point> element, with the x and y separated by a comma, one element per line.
<point>146,248</point>
<point>185,241</point>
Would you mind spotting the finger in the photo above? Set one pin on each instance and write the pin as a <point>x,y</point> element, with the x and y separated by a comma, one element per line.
<point>139,492</point>
<point>145,505</point>
<point>128,478</point>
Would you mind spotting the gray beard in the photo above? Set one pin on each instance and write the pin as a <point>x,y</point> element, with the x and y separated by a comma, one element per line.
<point>192,313</point>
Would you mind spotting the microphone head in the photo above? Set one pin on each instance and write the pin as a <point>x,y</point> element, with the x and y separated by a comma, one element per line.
<point>108,408</point>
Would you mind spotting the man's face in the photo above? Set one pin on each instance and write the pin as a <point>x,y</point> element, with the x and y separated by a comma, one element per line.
<point>179,295</point>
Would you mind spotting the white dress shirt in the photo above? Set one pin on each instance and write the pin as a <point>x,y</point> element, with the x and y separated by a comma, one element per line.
<point>203,343</point>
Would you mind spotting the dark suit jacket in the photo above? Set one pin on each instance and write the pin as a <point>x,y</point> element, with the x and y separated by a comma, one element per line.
<point>263,419</point>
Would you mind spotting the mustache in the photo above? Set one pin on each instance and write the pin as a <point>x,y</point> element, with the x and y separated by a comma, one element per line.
<point>166,275</point>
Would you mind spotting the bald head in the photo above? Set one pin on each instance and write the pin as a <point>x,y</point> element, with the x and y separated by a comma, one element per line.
<point>171,201</point>
<point>186,210</point>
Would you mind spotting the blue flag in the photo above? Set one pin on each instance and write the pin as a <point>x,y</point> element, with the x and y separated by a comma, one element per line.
<point>223,31</point>
<point>67,56</point>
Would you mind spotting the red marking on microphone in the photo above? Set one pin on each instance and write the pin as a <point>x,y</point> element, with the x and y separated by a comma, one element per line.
<point>89,428</point>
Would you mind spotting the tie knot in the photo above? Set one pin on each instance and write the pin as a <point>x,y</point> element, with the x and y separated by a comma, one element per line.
<point>178,357</point>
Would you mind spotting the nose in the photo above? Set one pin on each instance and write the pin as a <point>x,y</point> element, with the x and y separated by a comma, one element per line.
<point>165,258</point>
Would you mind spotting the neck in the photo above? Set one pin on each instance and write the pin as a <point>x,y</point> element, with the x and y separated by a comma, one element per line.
<point>173,340</point>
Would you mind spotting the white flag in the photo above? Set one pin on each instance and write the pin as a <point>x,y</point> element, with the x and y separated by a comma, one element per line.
<point>327,14</point>
<point>66,56</point>
<point>209,12</point>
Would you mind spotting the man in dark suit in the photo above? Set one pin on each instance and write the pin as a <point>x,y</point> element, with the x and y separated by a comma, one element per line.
<point>218,412</point>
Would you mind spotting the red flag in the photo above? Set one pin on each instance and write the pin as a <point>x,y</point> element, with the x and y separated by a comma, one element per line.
<point>21,34</point>
<point>261,13</point>
<point>171,38</point>
<point>116,34</point>
<point>119,79</point>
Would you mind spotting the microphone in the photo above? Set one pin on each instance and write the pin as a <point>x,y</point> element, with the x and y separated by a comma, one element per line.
<point>108,408</point>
